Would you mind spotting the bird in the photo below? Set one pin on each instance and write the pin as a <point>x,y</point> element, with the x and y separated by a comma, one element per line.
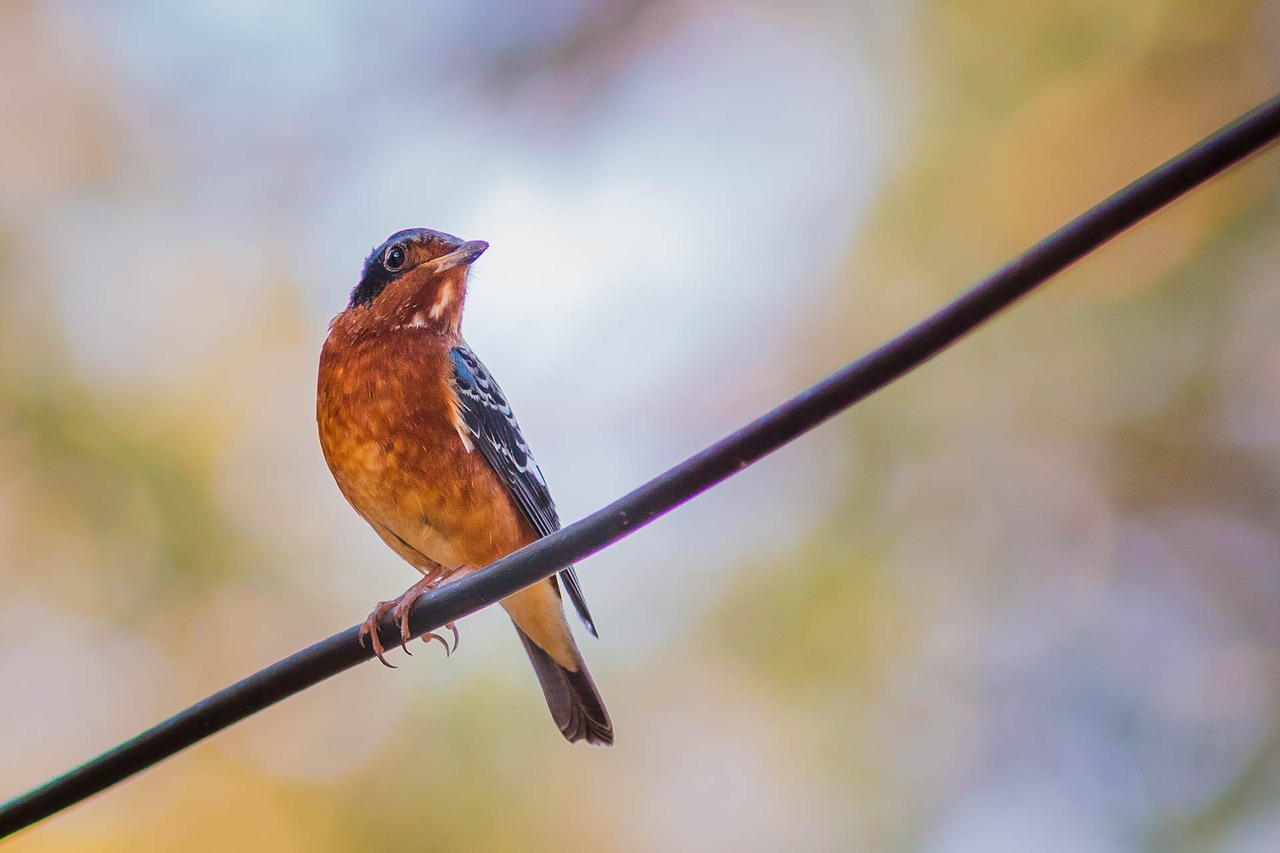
<point>424,446</point>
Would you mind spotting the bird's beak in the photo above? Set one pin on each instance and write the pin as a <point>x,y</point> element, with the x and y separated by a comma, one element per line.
<point>461,256</point>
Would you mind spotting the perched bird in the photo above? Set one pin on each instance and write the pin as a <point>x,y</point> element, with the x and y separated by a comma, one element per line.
<point>423,444</point>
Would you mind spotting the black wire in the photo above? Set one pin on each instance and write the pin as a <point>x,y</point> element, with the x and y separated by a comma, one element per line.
<point>1228,146</point>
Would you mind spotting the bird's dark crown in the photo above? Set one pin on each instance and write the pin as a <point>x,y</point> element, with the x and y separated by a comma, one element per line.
<point>421,244</point>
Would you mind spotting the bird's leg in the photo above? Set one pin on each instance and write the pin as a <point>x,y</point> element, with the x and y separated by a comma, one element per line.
<point>448,575</point>
<point>399,610</point>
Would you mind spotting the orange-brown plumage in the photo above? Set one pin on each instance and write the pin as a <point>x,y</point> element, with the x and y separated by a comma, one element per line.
<point>387,426</point>
<point>398,439</point>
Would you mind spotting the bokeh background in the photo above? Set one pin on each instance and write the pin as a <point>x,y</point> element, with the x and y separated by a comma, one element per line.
<point>1027,598</point>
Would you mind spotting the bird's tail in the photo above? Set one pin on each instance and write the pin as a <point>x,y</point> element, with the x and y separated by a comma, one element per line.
<point>575,703</point>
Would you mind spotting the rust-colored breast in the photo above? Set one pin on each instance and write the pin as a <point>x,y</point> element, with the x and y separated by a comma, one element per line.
<point>386,416</point>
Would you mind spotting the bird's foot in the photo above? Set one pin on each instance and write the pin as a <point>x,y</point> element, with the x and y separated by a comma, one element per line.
<point>438,579</point>
<point>448,575</point>
<point>399,610</point>
<point>452,627</point>
<point>369,630</point>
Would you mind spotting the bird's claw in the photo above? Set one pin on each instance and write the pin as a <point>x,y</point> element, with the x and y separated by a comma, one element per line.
<point>370,630</point>
<point>399,610</point>
<point>401,615</point>
<point>426,638</point>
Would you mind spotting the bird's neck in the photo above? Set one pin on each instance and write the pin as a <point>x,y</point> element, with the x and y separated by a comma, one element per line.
<point>438,304</point>
<point>434,304</point>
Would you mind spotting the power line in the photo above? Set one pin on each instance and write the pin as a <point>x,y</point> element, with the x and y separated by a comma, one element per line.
<point>1233,143</point>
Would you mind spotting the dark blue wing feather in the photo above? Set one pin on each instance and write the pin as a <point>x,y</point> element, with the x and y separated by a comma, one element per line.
<point>494,432</point>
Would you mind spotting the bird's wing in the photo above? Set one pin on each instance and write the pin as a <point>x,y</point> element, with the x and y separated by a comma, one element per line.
<point>494,432</point>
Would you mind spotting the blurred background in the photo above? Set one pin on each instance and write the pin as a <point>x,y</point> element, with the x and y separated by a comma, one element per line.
<point>1027,598</point>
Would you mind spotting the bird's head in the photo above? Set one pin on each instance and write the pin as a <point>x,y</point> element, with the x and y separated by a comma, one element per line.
<point>417,278</point>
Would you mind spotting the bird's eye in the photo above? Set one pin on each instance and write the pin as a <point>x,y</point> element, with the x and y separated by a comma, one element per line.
<point>394,259</point>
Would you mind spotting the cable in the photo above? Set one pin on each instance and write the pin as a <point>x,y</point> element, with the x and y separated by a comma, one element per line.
<point>1233,143</point>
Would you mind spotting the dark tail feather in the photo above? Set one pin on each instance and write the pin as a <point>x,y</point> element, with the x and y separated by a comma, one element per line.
<point>575,703</point>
